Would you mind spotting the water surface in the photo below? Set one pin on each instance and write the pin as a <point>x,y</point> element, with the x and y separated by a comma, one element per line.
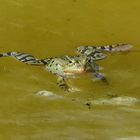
<point>52,28</point>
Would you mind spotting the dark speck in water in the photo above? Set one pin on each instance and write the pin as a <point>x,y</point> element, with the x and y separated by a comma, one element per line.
<point>68,19</point>
<point>88,104</point>
<point>1,55</point>
<point>112,95</point>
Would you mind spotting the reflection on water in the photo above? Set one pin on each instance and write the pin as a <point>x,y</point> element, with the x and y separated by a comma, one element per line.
<point>52,28</point>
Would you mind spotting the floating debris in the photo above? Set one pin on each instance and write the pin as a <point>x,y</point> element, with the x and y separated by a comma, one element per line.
<point>124,100</point>
<point>129,138</point>
<point>48,94</point>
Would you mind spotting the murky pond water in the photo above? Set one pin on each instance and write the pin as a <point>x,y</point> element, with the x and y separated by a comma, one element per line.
<point>47,28</point>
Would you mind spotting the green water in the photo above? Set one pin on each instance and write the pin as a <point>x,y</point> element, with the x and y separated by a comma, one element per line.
<point>47,28</point>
